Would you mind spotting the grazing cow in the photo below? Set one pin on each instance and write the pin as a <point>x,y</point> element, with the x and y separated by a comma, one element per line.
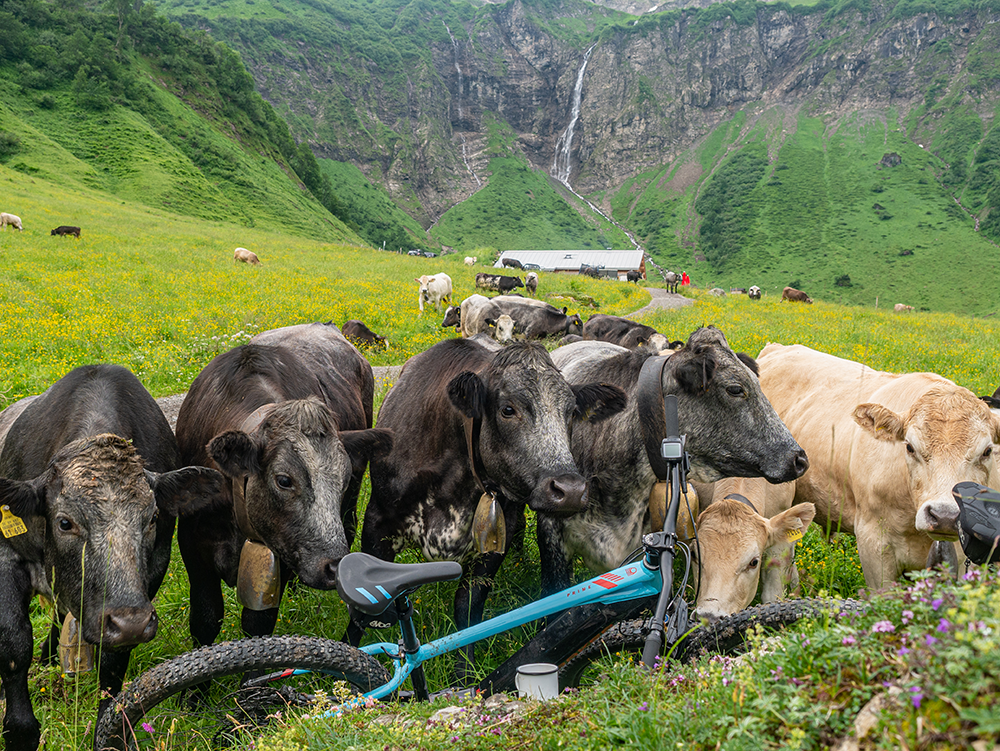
<point>531,283</point>
<point>91,469</point>
<point>731,430</point>
<point>901,308</point>
<point>747,532</point>
<point>536,319</point>
<point>672,279</point>
<point>435,289</point>
<point>360,335</point>
<point>242,255</point>
<point>886,451</point>
<point>795,295</point>
<point>592,271</point>
<point>512,263</point>
<point>633,276</point>
<point>471,260</point>
<point>498,283</point>
<point>480,314</point>
<point>515,411</point>
<point>287,419</point>
<point>11,219</point>
<point>452,317</point>
<point>65,229</point>
<point>624,332</point>
<point>754,293</point>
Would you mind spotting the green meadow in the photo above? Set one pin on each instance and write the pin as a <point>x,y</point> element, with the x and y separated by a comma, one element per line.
<point>161,295</point>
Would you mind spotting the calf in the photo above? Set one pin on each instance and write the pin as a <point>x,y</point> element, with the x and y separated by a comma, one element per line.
<point>633,276</point>
<point>242,255</point>
<point>65,229</point>
<point>468,419</point>
<point>470,260</point>
<point>624,332</point>
<point>795,295</point>
<point>731,430</point>
<point>13,220</point>
<point>531,283</point>
<point>497,282</point>
<point>901,308</point>
<point>434,289</point>
<point>361,336</point>
<point>452,317</point>
<point>91,469</point>
<point>512,263</point>
<point>287,419</point>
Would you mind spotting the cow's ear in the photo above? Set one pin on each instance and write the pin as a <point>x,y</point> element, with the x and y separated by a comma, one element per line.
<point>364,445</point>
<point>994,428</point>
<point>598,401</point>
<point>235,453</point>
<point>881,422</point>
<point>491,322</point>
<point>187,490</point>
<point>565,310</point>
<point>790,525</point>
<point>468,393</point>
<point>640,340</point>
<point>749,362</point>
<point>24,498</point>
<point>694,372</point>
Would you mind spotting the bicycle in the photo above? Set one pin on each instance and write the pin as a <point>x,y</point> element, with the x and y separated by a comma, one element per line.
<point>586,622</point>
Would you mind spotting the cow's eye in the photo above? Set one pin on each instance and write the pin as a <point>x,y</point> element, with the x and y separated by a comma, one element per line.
<point>735,390</point>
<point>909,449</point>
<point>508,411</point>
<point>754,563</point>
<point>65,524</point>
<point>988,452</point>
<point>154,517</point>
<point>283,481</point>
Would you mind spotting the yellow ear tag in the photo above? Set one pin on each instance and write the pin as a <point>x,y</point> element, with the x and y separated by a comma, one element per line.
<point>11,525</point>
<point>793,535</point>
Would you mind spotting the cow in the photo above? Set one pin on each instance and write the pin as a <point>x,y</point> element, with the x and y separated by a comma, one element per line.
<point>624,332</point>
<point>91,483</point>
<point>731,430</point>
<point>901,308</point>
<point>536,319</point>
<point>795,295</point>
<point>531,283</point>
<point>886,451</point>
<point>471,260</point>
<point>747,530</point>
<point>672,279</point>
<point>592,271</point>
<point>480,314</point>
<point>65,229</point>
<point>12,219</point>
<point>242,255</point>
<point>467,418</point>
<point>435,289</point>
<point>512,263</point>
<point>452,317</point>
<point>633,276</point>
<point>497,282</point>
<point>754,293</point>
<point>287,419</point>
<point>360,335</point>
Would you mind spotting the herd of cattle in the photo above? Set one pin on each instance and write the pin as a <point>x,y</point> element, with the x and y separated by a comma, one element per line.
<point>13,220</point>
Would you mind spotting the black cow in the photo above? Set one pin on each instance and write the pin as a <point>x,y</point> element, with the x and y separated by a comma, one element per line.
<point>287,418</point>
<point>512,263</point>
<point>624,332</point>
<point>732,431</point>
<point>65,229</point>
<point>452,317</point>
<point>520,411</point>
<point>593,271</point>
<point>361,336</point>
<point>91,469</point>
<point>633,276</point>
<point>498,283</point>
<point>536,319</point>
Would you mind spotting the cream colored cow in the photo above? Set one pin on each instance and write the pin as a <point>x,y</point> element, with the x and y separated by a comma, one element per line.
<point>884,451</point>
<point>242,255</point>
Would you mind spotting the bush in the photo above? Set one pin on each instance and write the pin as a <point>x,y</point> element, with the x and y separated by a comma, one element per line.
<point>10,144</point>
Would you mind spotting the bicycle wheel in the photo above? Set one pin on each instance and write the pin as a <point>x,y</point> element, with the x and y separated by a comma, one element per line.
<point>725,636</point>
<point>157,709</point>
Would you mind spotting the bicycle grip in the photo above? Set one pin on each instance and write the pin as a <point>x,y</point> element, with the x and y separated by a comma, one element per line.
<point>651,647</point>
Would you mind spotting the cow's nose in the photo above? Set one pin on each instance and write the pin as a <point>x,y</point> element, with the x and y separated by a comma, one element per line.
<point>706,617</point>
<point>561,496</point>
<point>942,518</point>
<point>127,626</point>
<point>800,463</point>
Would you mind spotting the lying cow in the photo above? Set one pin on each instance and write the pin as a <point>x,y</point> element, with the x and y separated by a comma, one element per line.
<point>886,451</point>
<point>754,292</point>
<point>434,289</point>
<point>64,229</point>
<point>625,333</point>
<point>90,467</point>
<point>901,308</point>
<point>12,219</point>
<point>731,430</point>
<point>747,532</point>
<point>795,295</point>
<point>360,335</point>
<point>287,419</point>
<point>242,255</point>
<point>536,319</point>
<point>498,282</point>
<point>516,412</point>
<point>480,314</point>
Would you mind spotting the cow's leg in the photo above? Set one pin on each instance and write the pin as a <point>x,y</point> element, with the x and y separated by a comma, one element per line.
<point>375,541</point>
<point>207,606</point>
<point>258,622</point>
<point>50,647</point>
<point>349,507</point>
<point>470,600</point>
<point>557,568</point>
<point>21,731</point>
<point>878,557</point>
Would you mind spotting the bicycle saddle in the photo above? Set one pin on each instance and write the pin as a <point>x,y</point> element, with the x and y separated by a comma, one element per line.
<point>371,584</point>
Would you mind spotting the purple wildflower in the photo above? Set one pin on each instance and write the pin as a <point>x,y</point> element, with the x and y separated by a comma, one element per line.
<point>944,625</point>
<point>644,707</point>
<point>883,627</point>
<point>147,727</point>
<point>848,640</point>
<point>916,696</point>
<point>936,603</point>
<point>907,616</point>
<point>902,651</point>
<point>929,640</point>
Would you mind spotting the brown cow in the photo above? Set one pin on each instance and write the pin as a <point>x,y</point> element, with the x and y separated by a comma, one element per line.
<point>246,256</point>
<point>361,336</point>
<point>885,451</point>
<point>795,295</point>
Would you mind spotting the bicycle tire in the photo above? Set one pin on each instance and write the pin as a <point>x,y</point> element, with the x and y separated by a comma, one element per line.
<point>725,636</point>
<point>126,723</point>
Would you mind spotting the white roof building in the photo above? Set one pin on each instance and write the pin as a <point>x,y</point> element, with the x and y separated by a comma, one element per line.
<point>614,263</point>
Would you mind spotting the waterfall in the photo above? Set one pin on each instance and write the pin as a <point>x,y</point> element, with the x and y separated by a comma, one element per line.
<point>458,107</point>
<point>561,162</point>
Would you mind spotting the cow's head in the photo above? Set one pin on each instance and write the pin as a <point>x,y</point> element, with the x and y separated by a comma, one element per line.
<point>947,436</point>
<point>654,343</point>
<point>452,317</point>
<point>502,327</point>
<point>527,411</point>
<point>734,544</point>
<point>92,522</point>
<point>732,429</point>
<point>574,324</point>
<point>297,466</point>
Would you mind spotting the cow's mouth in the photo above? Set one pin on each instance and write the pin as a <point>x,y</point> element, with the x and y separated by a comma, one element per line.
<point>559,496</point>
